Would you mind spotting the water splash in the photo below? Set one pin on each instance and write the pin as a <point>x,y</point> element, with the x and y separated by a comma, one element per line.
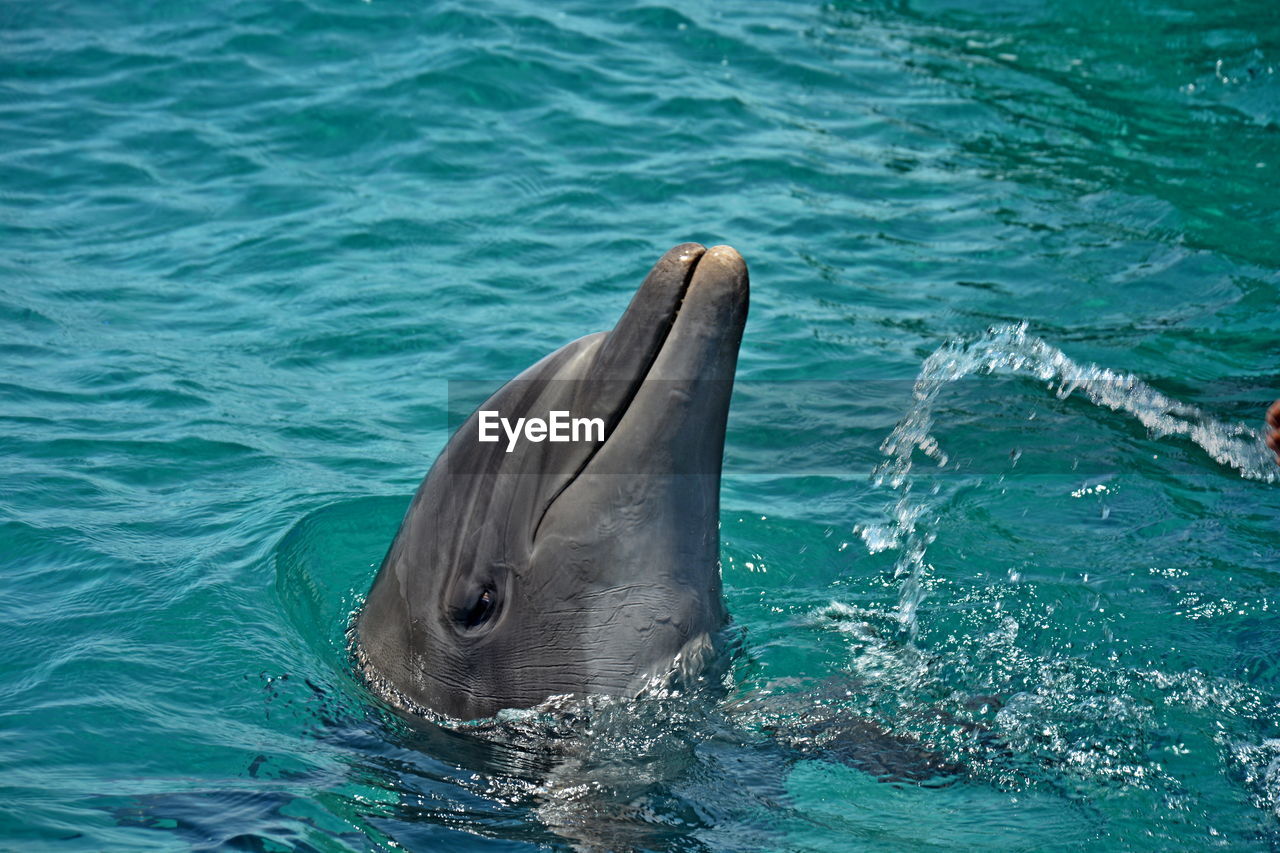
<point>1009,350</point>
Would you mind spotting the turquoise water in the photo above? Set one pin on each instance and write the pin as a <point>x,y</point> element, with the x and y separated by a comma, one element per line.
<point>245,248</point>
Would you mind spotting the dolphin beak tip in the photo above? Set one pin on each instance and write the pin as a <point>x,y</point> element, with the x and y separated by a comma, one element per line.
<point>726,252</point>
<point>727,259</point>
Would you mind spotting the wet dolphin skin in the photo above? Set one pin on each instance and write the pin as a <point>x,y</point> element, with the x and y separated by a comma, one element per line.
<point>546,567</point>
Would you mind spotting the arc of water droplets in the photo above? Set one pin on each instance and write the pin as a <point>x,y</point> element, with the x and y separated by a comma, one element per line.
<point>1010,350</point>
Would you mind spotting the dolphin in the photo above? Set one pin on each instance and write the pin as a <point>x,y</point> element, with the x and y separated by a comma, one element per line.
<point>530,569</point>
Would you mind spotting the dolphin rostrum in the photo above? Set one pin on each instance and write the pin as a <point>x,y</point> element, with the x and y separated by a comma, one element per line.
<point>529,569</point>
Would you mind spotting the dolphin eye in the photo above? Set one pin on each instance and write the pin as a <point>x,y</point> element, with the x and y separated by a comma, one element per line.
<point>481,610</point>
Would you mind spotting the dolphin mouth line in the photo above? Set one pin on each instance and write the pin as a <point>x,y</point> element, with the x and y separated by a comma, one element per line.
<point>668,323</point>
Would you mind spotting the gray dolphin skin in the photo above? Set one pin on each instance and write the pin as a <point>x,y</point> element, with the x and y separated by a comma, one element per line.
<point>574,567</point>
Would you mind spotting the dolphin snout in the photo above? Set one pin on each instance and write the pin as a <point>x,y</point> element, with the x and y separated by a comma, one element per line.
<point>721,276</point>
<point>703,343</point>
<point>726,256</point>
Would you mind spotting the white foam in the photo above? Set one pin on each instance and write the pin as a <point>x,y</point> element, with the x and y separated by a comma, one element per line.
<point>1009,350</point>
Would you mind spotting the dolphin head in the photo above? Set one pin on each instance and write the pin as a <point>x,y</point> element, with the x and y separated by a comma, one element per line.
<point>527,569</point>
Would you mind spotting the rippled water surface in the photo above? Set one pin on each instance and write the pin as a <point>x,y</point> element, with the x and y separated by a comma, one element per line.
<point>245,247</point>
